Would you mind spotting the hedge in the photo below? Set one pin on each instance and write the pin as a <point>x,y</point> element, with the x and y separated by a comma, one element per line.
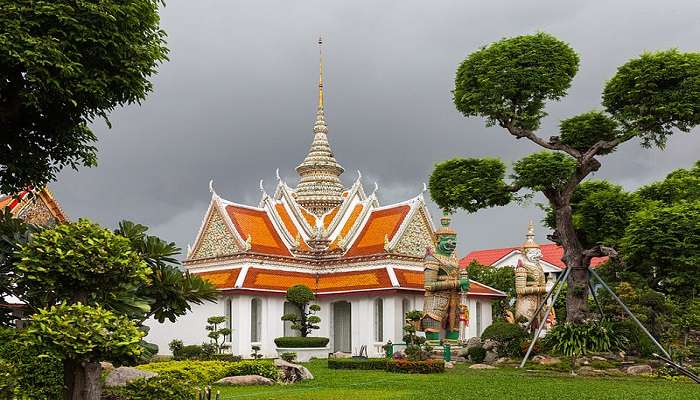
<point>157,387</point>
<point>403,366</point>
<point>357,363</point>
<point>199,373</point>
<point>509,337</point>
<point>299,341</point>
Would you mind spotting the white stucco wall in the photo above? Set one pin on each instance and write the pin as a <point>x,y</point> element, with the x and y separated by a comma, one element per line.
<point>191,327</point>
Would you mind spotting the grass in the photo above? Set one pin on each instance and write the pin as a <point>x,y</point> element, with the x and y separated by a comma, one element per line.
<point>464,383</point>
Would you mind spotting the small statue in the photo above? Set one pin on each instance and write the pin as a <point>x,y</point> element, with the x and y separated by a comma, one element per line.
<point>530,281</point>
<point>443,283</point>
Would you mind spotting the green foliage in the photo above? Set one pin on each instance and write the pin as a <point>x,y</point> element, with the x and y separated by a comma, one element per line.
<point>358,363</point>
<point>469,183</point>
<point>80,332</point>
<point>62,65</point>
<point>576,340</point>
<point>255,354</point>
<point>305,321</point>
<point>216,334</point>
<point>584,130</point>
<point>39,374</point>
<point>656,93</point>
<point>8,380</point>
<point>635,342</point>
<point>679,185</point>
<point>544,171</point>
<point>80,261</point>
<point>157,387</point>
<point>200,373</point>
<point>601,212</point>
<point>175,346</point>
<point>416,366</point>
<point>404,366</point>
<point>502,279</point>
<point>508,336</point>
<point>510,80</point>
<point>169,291</point>
<point>300,295</point>
<point>288,356</point>
<point>476,354</point>
<point>300,341</point>
<point>662,244</point>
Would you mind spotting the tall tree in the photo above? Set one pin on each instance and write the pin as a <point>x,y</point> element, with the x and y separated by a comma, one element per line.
<point>509,82</point>
<point>63,64</point>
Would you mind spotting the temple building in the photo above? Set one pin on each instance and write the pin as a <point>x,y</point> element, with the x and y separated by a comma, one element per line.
<point>363,260</point>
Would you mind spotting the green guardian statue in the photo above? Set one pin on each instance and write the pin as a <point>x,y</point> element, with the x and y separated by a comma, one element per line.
<point>444,284</point>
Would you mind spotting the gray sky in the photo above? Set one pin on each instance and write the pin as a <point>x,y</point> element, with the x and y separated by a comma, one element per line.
<point>238,96</point>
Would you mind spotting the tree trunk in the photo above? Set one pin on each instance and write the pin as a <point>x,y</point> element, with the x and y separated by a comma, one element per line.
<point>577,291</point>
<point>81,380</point>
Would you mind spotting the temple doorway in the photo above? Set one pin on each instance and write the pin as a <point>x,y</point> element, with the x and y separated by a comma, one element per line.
<point>342,316</point>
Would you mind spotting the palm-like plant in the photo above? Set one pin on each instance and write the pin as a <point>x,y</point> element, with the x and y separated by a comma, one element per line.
<point>170,291</point>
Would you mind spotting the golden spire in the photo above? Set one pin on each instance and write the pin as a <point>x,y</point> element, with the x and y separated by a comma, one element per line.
<point>320,73</point>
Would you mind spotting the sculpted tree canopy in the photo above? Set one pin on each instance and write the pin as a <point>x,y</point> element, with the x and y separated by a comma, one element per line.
<point>509,82</point>
<point>64,64</point>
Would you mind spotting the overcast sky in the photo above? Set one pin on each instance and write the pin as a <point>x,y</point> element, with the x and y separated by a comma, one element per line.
<point>238,96</point>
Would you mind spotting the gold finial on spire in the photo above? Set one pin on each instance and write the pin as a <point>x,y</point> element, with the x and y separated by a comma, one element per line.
<point>320,73</point>
<point>530,237</point>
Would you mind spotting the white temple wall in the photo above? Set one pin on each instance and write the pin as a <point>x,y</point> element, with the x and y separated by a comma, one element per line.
<point>191,327</point>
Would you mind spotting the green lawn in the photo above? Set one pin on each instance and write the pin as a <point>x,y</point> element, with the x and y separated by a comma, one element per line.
<point>464,383</point>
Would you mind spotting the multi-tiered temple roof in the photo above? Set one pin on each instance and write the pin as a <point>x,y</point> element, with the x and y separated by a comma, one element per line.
<point>332,238</point>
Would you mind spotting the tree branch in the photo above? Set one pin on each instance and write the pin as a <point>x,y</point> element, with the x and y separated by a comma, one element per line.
<point>598,251</point>
<point>552,144</point>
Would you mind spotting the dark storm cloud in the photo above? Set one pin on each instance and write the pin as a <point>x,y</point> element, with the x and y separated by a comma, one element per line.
<point>236,101</point>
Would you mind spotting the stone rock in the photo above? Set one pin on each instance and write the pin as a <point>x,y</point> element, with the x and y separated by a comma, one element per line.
<point>502,360</point>
<point>598,358</point>
<point>472,342</point>
<point>292,372</point>
<point>490,344</point>
<point>590,371</point>
<point>449,364</point>
<point>245,380</point>
<point>340,354</point>
<point>491,357</point>
<point>107,366</point>
<point>545,360</point>
<point>482,366</point>
<point>642,369</point>
<point>123,375</point>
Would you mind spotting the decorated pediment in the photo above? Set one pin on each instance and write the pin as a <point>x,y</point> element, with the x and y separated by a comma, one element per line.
<point>415,237</point>
<point>216,239</point>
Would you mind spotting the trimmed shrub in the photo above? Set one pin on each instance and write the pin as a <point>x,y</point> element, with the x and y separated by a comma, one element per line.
<point>299,341</point>
<point>225,357</point>
<point>39,374</point>
<point>288,356</point>
<point>157,387</point>
<point>476,354</point>
<point>189,352</point>
<point>390,365</point>
<point>508,336</point>
<point>416,367</point>
<point>358,363</point>
<point>200,373</point>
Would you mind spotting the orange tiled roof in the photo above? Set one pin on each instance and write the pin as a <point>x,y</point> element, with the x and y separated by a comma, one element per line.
<point>414,280</point>
<point>551,253</point>
<point>328,218</point>
<point>289,226</point>
<point>381,224</point>
<point>221,279</point>
<point>310,218</point>
<point>257,225</point>
<point>349,223</point>
<point>322,283</point>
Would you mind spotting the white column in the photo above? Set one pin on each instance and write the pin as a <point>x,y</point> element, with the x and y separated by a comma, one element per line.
<point>273,327</point>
